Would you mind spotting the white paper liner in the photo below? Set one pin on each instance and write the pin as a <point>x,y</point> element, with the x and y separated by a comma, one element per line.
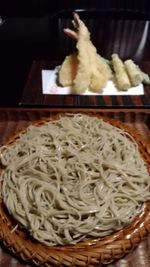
<point>50,87</point>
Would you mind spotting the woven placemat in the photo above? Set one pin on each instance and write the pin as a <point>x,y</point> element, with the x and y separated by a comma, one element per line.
<point>87,253</point>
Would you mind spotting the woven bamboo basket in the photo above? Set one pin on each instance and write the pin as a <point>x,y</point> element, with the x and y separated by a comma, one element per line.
<point>92,252</point>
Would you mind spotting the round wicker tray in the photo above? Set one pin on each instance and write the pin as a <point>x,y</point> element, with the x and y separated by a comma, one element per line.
<point>88,253</point>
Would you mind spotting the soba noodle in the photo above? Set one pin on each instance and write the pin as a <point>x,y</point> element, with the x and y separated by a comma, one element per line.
<point>73,178</point>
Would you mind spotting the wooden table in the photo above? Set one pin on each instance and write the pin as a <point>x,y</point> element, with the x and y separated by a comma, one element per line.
<point>13,120</point>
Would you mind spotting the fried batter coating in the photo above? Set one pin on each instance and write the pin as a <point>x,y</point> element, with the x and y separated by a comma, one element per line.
<point>92,70</point>
<point>122,79</point>
<point>68,70</point>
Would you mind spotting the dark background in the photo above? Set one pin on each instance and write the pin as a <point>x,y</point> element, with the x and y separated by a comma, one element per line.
<point>25,35</point>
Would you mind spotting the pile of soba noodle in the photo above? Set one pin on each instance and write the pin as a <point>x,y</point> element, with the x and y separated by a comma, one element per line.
<point>73,178</point>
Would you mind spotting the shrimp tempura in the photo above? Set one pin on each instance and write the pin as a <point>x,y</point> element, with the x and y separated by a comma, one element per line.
<point>92,71</point>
